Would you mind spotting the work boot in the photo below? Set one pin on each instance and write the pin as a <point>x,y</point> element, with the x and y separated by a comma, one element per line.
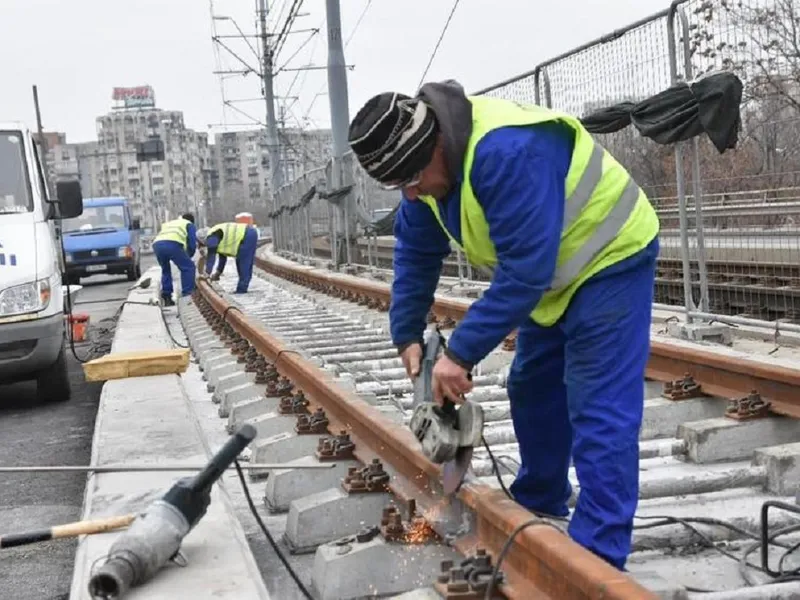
<point>168,301</point>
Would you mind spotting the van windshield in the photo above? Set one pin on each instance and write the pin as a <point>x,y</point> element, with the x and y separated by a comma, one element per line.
<point>96,218</point>
<point>15,191</point>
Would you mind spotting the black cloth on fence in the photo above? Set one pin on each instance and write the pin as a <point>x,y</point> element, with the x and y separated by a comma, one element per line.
<point>710,105</point>
<point>385,225</point>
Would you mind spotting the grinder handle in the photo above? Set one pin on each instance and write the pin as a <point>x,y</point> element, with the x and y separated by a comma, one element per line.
<point>448,407</point>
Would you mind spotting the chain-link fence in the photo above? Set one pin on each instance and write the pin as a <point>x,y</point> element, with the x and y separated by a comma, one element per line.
<point>730,221</point>
<point>750,214</point>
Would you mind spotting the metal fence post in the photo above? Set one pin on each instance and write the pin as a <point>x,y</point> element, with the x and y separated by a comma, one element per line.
<point>697,187</point>
<point>679,176</point>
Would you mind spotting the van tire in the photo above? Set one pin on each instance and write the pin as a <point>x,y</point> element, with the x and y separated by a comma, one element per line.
<point>52,383</point>
<point>135,272</point>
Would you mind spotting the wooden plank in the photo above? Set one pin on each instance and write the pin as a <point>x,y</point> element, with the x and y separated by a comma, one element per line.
<point>137,364</point>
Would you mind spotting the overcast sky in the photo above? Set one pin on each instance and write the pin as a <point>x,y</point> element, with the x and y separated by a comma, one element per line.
<point>76,51</point>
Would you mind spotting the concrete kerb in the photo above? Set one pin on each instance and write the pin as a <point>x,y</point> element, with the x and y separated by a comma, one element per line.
<point>286,485</point>
<point>715,439</point>
<point>332,513</point>
<point>347,569</point>
<point>150,420</point>
<point>783,467</point>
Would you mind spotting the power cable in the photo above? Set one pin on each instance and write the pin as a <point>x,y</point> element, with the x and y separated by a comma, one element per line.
<point>281,40</point>
<point>436,48</point>
<point>266,532</point>
<point>664,520</point>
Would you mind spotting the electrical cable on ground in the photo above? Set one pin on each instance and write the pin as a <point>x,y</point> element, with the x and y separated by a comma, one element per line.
<point>661,521</point>
<point>268,535</point>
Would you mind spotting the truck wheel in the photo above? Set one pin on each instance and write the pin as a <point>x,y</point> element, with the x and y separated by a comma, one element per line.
<point>138,270</point>
<point>52,383</point>
<point>132,274</point>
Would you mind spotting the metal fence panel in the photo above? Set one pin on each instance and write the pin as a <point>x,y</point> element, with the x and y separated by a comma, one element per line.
<point>750,196</point>
<point>629,65</point>
<point>730,238</point>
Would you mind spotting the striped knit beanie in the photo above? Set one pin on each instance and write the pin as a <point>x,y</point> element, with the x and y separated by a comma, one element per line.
<point>393,137</point>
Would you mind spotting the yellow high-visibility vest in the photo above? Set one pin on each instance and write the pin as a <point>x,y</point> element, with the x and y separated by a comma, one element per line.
<point>232,236</point>
<point>607,216</point>
<point>174,231</point>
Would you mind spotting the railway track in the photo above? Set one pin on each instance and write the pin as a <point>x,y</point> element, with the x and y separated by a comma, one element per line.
<point>326,382</point>
<point>747,288</point>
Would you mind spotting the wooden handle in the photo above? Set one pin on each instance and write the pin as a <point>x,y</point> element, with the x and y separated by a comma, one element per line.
<point>66,531</point>
<point>90,527</point>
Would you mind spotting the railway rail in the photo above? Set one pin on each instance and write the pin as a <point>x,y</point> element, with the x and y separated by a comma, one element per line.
<point>737,286</point>
<point>320,340</point>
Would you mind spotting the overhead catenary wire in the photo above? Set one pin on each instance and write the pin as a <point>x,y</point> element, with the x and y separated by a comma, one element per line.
<point>281,39</point>
<point>438,42</point>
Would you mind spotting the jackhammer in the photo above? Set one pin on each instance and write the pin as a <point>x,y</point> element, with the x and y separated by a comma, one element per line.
<point>154,538</point>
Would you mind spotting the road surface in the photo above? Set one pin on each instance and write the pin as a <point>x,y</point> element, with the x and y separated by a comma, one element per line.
<point>58,433</point>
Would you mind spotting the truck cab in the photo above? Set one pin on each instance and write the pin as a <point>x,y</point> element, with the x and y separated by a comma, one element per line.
<point>103,240</point>
<point>32,323</point>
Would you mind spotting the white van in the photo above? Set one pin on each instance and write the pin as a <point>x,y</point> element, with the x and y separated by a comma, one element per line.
<point>32,323</point>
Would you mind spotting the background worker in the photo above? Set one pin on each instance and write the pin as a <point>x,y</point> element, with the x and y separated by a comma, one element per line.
<point>176,243</point>
<point>237,240</point>
<point>572,242</point>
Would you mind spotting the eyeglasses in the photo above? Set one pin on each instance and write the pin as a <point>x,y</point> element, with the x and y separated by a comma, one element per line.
<point>413,180</point>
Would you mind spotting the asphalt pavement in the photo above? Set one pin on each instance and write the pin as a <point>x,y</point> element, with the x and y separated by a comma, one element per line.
<point>51,434</point>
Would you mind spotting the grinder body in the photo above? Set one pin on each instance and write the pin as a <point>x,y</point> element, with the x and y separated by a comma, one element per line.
<point>447,433</point>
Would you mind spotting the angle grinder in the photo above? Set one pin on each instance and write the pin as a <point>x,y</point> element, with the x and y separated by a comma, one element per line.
<point>447,433</point>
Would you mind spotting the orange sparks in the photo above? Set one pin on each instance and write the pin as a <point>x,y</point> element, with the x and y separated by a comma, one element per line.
<point>418,531</point>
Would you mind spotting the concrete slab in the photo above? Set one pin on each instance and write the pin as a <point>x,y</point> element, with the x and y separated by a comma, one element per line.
<point>664,589</point>
<point>215,354</point>
<point>727,439</point>
<point>330,514</point>
<point>283,447</point>
<point>347,569</point>
<point>221,369</point>
<point>231,381</point>
<point>270,424</point>
<point>783,467</point>
<point>427,593</point>
<point>252,406</point>
<point>286,485</point>
<point>662,417</point>
<point>238,393</point>
<point>150,420</point>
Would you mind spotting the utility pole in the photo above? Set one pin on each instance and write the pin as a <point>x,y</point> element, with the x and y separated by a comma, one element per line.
<point>42,142</point>
<point>340,114</point>
<point>269,98</point>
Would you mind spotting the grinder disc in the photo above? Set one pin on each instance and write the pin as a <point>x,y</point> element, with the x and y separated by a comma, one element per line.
<point>453,472</point>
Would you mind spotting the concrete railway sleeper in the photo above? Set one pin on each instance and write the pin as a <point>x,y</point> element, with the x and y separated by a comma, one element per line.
<point>698,456</point>
<point>378,514</point>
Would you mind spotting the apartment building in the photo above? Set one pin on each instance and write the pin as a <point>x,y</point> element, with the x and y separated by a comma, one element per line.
<point>157,189</point>
<point>243,163</point>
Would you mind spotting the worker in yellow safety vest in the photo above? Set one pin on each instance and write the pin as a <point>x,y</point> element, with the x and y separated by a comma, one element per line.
<point>232,240</point>
<point>176,242</point>
<point>571,241</point>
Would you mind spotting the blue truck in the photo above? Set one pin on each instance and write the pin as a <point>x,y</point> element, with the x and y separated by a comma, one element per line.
<point>104,240</point>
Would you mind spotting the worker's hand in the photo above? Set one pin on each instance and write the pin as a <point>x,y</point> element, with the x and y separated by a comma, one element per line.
<point>202,276</point>
<point>215,276</point>
<point>450,381</point>
<point>412,357</point>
